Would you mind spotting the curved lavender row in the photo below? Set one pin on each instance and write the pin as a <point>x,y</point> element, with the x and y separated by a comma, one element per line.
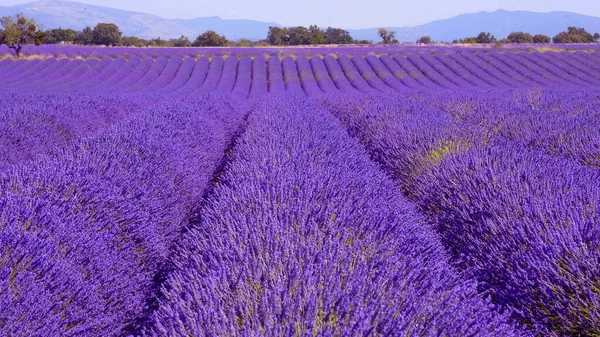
<point>385,75</point>
<point>196,77</point>
<point>149,77</point>
<point>112,67</point>
<point>480,72</point>
<point>62,76</point>
<point>243,80</point>
<point>525,223</point>
<point>24,69</point>
<point>85,77</point>
<point>74,68</point>
<point>337,75</point>
<point>485,71</point>
<point>593,56</point>
<point>84,233</point>
<point>547,71</point>
<point>527,69</point>
<point>305,236</point>
<point>8,65</point>
<point>213,77</point>
<point>59,69</point>
<point>370,76</point>
<point>290,75</point>
<point>35,124</point>
<point>528,119</point>
<point>449,74</point>
<point>582,103</point>
<point>588,60</point>
<point>505,70</point>
<point>89,66</point>
<point>558,63</point>
<point>49,74</point>
<point>15,68</point>
<point>275,79</point>
<point>542,215</point>
<point>166,76</point>
<point>41,69</point>
<point>182,76</point>
<point>321,75</point>
<point>461,71</point>
<point>553,71</point>
<point>259,86</point>
<point>100,52</point>
<point>41,83</point>
<point>421,66</point>
<point>585,68</point>
<point>409,75</point>
<point>307,77</point>
<point>354,77</point>
<point>228,76</point>
<point>125,77</point>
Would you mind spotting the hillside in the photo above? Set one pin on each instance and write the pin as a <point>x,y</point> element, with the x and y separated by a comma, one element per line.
<point>500,23</point>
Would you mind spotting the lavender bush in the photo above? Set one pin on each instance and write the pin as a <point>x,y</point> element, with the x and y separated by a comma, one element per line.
<point>85,233</point>
<point>304,236</point>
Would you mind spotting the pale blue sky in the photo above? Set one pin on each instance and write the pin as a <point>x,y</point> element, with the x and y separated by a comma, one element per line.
<point>337,13</point>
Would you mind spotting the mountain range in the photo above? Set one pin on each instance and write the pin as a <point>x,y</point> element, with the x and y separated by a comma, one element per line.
<point>68,14</point>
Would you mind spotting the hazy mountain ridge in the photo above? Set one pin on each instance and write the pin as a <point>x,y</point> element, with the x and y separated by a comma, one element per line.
<point>68,14</point>
<point>500,23</point>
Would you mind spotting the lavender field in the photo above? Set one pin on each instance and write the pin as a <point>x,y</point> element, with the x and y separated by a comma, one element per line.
<point>324,192</point>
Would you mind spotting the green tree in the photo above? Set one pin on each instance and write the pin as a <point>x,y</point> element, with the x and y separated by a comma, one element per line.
<point>85,37</point>
<point>160,42</point>
<point>210,38</point>
<point>244,43</point>
<point>182,41</point>
<point>520,37</point>
<point>597,37</point>
<point>466,40</point>
<point>387,36</point>
<point>18,31</point>
<point>107,34</point>
<point>539,38</point>
<point>337,36</point>
<point>574,35</point>
<point>277,36</point>
<point>261,43</point>
<point>299,36</point>
<point>425,40</point>
<point>317,35</point>
<point>133,41</point>
<point>484,37</point>
<point>59,35</point>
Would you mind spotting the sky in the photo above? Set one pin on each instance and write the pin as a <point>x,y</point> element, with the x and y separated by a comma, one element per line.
<point>350,14</point>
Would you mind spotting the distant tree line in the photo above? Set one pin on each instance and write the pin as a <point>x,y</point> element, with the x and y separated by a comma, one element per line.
<point>298,36</point>
<point>571,35</point>
<point>18,31</point>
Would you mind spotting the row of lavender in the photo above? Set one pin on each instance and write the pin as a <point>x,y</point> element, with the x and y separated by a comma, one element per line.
<point>517,212</point>
<point>85,232</point>
<point>511,184</point>
<point>33,125</point>
<point>253,76</point>
<point>304,236</point>
<point>91,51</point>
